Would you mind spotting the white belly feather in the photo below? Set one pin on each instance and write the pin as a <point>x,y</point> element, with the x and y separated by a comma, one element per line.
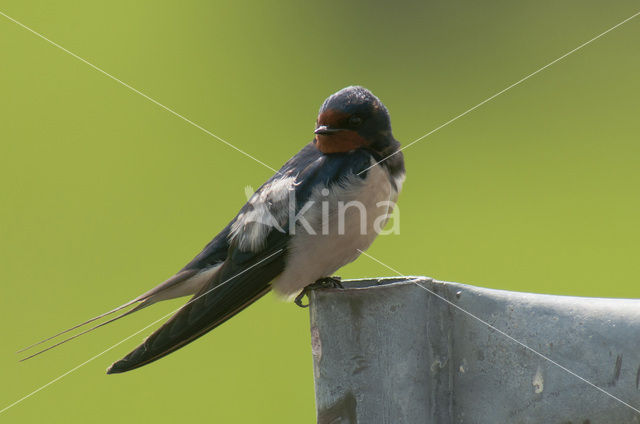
<point>314,256</point>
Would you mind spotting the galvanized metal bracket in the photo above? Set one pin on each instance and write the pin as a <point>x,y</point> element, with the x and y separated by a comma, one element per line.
<point>388,351</point>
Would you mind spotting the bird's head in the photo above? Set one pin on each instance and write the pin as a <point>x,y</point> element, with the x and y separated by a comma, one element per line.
<point>353,118</point>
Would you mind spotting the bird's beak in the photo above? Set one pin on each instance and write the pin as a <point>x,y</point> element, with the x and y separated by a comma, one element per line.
<point>325,130</point>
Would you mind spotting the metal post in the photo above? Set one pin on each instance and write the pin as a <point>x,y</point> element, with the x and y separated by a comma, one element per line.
<point>388,351</point>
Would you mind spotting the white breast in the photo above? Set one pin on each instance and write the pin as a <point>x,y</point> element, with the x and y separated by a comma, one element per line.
<point>336,241</point>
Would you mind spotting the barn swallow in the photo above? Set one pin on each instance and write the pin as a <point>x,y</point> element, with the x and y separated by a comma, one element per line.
<point>315,215</point>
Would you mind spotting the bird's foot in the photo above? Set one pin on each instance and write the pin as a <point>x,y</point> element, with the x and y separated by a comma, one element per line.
<point>323,283</point>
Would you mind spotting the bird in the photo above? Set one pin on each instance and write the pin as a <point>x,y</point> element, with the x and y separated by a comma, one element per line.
<point>317,213</point>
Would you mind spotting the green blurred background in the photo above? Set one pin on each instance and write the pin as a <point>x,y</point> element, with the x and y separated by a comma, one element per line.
<point>104,194</point>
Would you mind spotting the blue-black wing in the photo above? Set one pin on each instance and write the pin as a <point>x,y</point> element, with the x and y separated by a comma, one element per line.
<point>245,276</point>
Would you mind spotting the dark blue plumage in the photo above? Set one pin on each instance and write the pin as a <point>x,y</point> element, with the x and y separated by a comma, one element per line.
<point>353,157</point>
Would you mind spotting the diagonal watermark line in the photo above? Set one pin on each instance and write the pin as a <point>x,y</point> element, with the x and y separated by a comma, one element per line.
<point>152,100</point>
<point>267,166</point>
<point>450,121</point>
<point>135,334</point>
<point>546,358</point>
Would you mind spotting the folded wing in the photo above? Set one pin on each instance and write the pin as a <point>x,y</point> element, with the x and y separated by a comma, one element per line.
<point>243,278</point>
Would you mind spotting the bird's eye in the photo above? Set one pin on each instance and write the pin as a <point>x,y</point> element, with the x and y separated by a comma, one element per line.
<point>355,121</point>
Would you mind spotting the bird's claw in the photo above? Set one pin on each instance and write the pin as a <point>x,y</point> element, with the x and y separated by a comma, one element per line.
<point>298,299</point>
<point>323,283</point>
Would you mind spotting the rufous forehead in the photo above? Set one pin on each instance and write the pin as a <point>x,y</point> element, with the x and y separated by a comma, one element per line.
<point>332,117</point>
